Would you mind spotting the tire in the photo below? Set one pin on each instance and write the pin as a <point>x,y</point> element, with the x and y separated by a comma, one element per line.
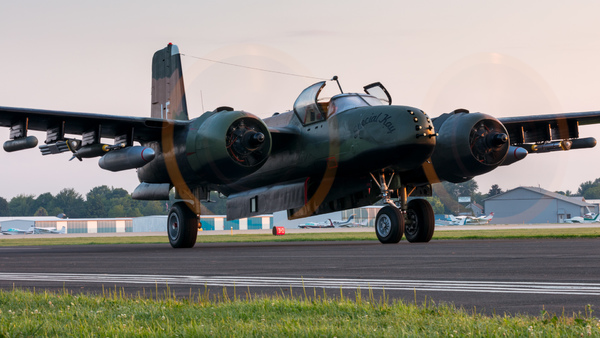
<point>420,221</point>
<point>389,225</point>
<point>182,226</point>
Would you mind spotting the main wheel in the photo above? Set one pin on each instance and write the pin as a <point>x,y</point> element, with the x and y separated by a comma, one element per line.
<point>182,226</point>
<point>389,225</point>
<point>420,221</point>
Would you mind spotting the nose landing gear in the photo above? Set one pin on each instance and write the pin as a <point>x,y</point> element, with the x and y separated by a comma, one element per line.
<point>414,219</point>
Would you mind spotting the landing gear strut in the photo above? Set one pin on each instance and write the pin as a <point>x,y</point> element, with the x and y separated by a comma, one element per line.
<point>182,226</point>
<point>415,219</point>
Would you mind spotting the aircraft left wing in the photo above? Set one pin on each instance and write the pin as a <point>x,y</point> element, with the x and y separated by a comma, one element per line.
<point>545,128</point>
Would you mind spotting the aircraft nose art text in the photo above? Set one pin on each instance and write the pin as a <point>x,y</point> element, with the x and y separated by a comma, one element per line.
<point>403,137</point>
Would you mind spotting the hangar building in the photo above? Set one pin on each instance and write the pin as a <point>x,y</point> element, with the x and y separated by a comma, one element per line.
<point>535,205</point>
<point>138,224</point>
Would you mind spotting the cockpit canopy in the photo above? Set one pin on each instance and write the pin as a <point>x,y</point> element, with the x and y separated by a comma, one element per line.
<point>310,108</point>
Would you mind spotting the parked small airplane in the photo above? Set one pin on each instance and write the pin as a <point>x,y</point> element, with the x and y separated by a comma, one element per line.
<point>323,155</point>
<point>587,218</point>
<point>13,231</point>
<point>349,223</point>
<point>49,230</point>
<point>317,225</point>
<point>468,220</point>
<point>464,220</point>
<point>35,230</point>
<point>447,220</point>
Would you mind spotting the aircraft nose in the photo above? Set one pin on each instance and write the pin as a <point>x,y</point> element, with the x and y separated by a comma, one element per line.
<point>423,125</point>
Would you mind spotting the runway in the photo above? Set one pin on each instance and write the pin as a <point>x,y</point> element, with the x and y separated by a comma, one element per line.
<point>492,276</point>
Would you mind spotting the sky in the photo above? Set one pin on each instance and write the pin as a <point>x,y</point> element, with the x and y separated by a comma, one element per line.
<point>503,58</point>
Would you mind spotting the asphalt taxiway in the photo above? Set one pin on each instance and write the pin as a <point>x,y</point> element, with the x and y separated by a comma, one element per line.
<point>492,276</point>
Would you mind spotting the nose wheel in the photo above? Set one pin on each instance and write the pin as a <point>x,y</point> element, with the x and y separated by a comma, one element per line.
<point>389,225</point>
<point>420,221</point>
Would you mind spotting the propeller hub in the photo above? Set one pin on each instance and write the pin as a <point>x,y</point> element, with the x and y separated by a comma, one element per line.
<point>498,139</point>
<point>253,139</point>
<point>489,142</point>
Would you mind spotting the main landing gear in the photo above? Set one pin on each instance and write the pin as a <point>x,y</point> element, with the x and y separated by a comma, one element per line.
<point>182,226</point>
<point>414,219</point>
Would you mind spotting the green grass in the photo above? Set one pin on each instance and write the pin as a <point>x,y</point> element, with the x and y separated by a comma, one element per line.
<point>24,313</point>
<point>337,236</point>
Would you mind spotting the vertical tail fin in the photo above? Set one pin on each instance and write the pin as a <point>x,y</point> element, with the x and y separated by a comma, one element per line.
<point>168,93</point>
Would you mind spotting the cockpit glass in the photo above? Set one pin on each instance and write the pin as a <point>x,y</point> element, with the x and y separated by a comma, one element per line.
<point>306,106</point>
<point>377,90</point>
<point>373,101</point>
<point>311,109</point>
<point>348,101</point>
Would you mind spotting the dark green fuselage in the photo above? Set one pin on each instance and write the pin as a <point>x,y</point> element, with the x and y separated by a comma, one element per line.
<point>349,144</point>
<point>352,143</point>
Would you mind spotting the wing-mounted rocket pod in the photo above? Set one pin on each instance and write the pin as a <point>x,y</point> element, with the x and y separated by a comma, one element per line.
<point>578,143</point>
<point>20,143</point>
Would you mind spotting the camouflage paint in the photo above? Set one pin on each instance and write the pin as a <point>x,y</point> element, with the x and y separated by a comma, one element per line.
<point>168,93</point>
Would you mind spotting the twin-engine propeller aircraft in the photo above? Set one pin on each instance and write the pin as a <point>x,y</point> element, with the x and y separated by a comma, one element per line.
<point>324,155</point>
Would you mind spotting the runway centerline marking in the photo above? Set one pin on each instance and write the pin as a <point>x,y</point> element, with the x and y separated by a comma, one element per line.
<point>589,289</point>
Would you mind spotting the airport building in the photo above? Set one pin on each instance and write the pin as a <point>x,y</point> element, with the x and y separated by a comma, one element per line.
<point>363,215</point>
<point>536,205</point>
<point>137,224</point>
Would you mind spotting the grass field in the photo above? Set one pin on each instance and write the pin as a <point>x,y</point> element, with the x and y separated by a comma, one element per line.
<point>336,236</point>
<point>62,314</point>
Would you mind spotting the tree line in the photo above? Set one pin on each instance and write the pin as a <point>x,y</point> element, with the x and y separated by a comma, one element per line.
<point>105,202</point>
<point>100,202</point>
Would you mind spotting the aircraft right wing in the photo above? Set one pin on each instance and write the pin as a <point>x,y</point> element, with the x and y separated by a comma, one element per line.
<point>58,123</point>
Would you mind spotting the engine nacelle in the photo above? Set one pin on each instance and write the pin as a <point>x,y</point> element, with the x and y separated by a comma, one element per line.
<point>228,145</point>
<point>469,144</point>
